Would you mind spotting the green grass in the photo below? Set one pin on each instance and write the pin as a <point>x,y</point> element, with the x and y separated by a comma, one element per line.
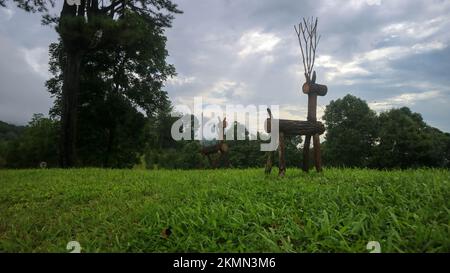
<point>340,210</point>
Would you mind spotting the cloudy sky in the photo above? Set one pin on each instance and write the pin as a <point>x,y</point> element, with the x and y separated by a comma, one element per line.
<point>391,53</point>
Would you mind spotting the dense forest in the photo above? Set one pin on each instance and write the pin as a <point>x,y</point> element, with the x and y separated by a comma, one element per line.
<point>356,137</point>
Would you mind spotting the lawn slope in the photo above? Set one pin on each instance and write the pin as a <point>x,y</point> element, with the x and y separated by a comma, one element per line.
<point>340,210</point>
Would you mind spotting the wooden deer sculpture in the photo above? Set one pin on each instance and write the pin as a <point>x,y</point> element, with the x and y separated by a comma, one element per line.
<point>289,128</point>
<point>306,32</point>
<point>220,148</point>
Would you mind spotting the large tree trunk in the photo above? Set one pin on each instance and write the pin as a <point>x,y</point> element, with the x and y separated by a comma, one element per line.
<point>70,32</point>
<point>70,91</point>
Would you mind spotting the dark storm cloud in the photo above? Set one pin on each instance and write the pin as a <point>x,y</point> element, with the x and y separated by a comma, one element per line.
<point>23,65</point>
<point>390,53</point>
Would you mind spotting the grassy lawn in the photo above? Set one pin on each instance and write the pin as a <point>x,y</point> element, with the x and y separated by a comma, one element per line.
<point>340,210</point>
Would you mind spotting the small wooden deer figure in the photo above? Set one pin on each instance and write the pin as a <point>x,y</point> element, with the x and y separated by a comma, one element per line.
<point>220,148</point>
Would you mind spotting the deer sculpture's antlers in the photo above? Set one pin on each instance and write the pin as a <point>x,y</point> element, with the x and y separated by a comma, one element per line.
<point>308,41</point>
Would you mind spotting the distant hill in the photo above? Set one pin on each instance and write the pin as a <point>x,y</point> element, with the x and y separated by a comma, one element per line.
<point>9,131</point>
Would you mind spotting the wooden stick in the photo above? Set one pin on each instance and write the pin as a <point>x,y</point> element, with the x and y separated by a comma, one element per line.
<point>281,153</point>
<point>224,157</point>
<point>301,46</point>
<point>312,107</point>
<point>269,163</point>
<point>306,153</point>
<point>209,160</point>
<point>317,158</point>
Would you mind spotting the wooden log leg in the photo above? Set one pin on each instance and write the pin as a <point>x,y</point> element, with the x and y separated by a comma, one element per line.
<point>210,161</point>
<point>226,161</point>
<point>317,158</point>
<point>223,159</point>
<point>281,153</point>
<point>215,161</point>
<point>306,153</point>
<point>269,163</point>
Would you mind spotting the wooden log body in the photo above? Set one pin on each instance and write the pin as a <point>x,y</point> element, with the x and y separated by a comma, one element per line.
<point>297,127</point>
<point>314,88</point>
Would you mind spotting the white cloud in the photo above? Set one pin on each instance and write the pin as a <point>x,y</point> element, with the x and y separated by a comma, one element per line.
<point>254,42</point>
<point>222,86</point>
<point>398,52</point>
<point>358,4</point>
<point>366,63</point>
<point>222,91</point>
<point>426,47</point>
<point>9,13</point>
<point>347,6</point>
<point>180,80</point>
<point>300,112</point>
<point>405,99</point>
<point>373,2</point>
<point>416,30</point>
<point>37,59</point>
<point>337,68</point>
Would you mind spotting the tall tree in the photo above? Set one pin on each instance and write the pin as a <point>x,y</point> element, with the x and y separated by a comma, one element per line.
<point>87,28</point>
<point>91,26</point>
<point>118,81</point>
<point>351,132</point>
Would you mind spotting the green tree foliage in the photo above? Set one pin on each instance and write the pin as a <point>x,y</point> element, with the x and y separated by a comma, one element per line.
<point>294,154</point>
<point>163,151</point>
<point>398,138</point>
<point>8,133</point>
<point>31,5</point>
<point>119,82</point>
<point>35,145</point>
<point>242,153</point>
<point>351,132</point>
<point>405,140</point>
<point>247,154</point>
<point>128,33</point>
